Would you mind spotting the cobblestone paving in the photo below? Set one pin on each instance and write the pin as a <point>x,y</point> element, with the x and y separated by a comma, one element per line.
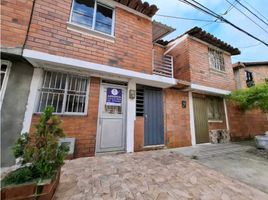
<point>159,175</point>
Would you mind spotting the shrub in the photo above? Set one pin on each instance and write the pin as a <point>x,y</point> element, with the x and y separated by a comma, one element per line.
<point>41,154</point>
<point>253,97</point>
<point>21,175</point>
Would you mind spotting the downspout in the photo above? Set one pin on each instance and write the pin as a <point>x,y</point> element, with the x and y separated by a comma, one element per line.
<point>28,28</point>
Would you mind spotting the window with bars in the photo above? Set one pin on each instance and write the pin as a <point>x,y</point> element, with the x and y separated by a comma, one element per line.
<point>216,59</point>
<point>93,15</point>
<point>67,93</point>
<point>5,69</point>
<point>139,101</point>
<point>249,79</point>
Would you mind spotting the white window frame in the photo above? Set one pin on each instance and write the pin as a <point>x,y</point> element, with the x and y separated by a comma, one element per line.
<point>94,19</point>
<point>65,95</point>
<point>5,81</point>
<point>220,59</point>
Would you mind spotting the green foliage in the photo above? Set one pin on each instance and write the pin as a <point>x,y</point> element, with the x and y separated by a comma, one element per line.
<point>19,147</point>
<point>21,175</point>
<point>253,97</point>
<point>41,150</point>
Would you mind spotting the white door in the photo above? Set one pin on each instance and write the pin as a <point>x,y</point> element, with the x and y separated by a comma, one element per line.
<point>111,134</point>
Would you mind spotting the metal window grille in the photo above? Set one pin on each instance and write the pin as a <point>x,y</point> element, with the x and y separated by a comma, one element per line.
<point>139,102</point>
<point>163,65</point>
<point>5,70</point>
<point>216,59</point>
<point>249,79</point>
<point>65,92</point>
<point>3,73</point>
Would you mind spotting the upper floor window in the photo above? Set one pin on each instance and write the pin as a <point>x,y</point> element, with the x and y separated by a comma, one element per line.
<point>67,93</point>
<point>249,79</point>
<point>93,15</point>
<point>216,59</point>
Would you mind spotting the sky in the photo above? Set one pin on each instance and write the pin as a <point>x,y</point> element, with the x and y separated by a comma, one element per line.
<point>251,49</point>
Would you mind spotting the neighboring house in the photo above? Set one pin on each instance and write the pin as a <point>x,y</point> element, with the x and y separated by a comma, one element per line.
<point>112,80</point>
<point>16,73</point>
<point>202,64</point>
<point>248,74</point>
<point>254,122</point>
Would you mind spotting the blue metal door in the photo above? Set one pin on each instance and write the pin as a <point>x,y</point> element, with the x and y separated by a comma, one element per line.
<point>153,116</point>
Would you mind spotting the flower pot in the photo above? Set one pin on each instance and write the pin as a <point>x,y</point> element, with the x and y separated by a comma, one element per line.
<point>31,191</point>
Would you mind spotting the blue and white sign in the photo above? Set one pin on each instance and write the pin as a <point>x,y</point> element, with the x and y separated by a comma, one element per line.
<point>114,97</point>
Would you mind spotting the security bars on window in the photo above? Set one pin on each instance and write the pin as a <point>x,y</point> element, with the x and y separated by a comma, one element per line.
<point>65,92</point>
<point>216,59</point>
<point>140,101</point>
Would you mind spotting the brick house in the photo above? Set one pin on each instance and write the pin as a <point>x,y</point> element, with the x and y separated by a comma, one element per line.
<point>16,73</point>
<point>112,80</point>
<point>248,74</point>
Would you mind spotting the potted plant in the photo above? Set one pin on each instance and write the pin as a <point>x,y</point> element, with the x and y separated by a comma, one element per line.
<point>41,158</point>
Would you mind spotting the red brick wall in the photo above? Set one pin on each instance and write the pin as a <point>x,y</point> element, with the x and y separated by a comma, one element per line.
<point>216,125</point>
<point>202,74</point>
<point>139,134</point>
<point>131,49</point>
<point>246,124</point>
<point>15,16</point>
<point>177,119</point>
<point>83,128</point>
<point>181,65</point>
<point>260,73</point>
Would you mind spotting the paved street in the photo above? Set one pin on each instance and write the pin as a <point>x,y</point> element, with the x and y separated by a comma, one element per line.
<point>162,174</point>
<point>233,160</point>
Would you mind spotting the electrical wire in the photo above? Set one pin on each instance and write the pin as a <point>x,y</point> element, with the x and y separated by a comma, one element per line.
<point>246,16</point>
<point>211,13</point>
<point>185,18</point>
<point>256,10</point>
<point>230,8</point>
<point>249,46</point>
<point>251,12</point>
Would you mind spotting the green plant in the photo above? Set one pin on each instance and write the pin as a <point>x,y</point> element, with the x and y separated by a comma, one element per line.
<point>21,175</point>
<point>41,151</point>
<point>19,147</point>
<point>253,97</point>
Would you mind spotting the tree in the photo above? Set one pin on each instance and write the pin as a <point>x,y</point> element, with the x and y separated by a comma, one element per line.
<point>253,97</point>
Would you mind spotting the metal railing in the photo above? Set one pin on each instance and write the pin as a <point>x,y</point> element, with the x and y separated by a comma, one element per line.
<point>163,65</point>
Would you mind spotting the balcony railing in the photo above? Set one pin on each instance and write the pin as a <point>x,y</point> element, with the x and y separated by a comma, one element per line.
<point>163,65</point>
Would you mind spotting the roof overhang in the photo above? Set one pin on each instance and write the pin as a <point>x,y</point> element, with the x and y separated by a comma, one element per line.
<point>239,65</point>
<point>45,60</point>
<point>139,6</point>
<point>161,30</point>
<point>207,90</point>
<point>210,39</point>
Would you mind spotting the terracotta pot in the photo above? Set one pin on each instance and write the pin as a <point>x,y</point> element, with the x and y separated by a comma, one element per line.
<point>31,191</point>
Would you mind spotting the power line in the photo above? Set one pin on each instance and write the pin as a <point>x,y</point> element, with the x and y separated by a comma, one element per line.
<point>230,8</point>
<point>185,18</point>
<point>246,16</point>
<point>249,46</point>
<point>256,10</point>
<point>211,13</point>
<point>251,12</point>
<point>225,13</point>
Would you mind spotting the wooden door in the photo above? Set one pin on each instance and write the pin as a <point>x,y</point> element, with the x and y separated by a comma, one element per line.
<point>201,120</point>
